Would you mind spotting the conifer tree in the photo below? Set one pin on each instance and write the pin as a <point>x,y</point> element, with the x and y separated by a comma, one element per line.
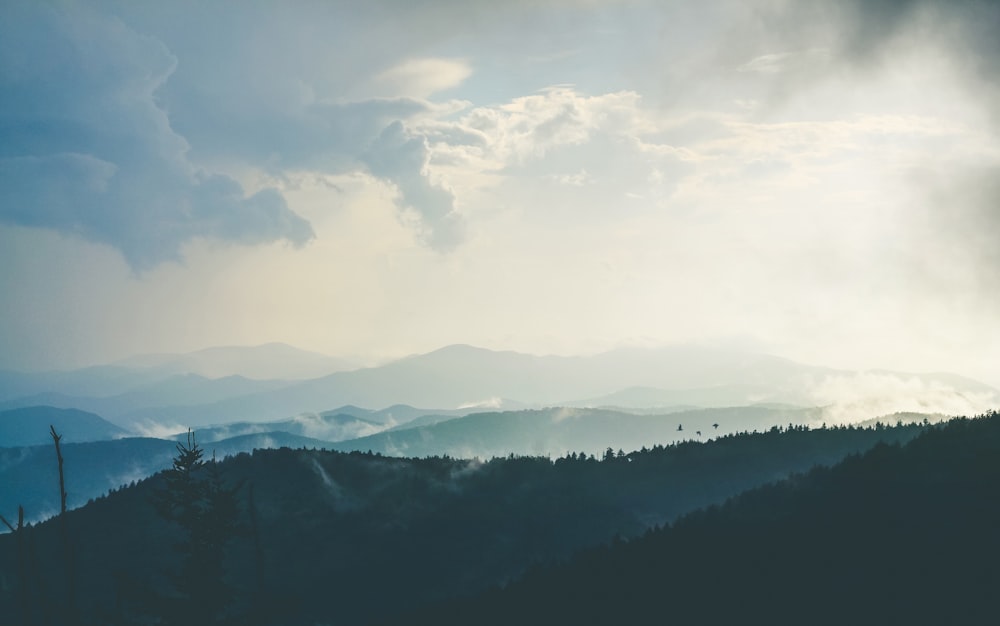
<point>195,498</point>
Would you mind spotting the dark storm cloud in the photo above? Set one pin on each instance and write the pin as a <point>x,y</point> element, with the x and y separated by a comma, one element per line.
<point>955,208</point>
<point>960,201</point>
<point>338,137</point>
<point>860,32</point>
<point>85,148</point>
<point>957,224</point>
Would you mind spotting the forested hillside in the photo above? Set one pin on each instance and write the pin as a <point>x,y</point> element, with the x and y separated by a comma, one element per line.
<point>899,535</point>
<point>329,537</point>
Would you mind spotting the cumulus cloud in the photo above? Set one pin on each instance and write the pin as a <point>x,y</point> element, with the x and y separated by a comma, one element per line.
<point>401,158</point>
<point>85,148</point>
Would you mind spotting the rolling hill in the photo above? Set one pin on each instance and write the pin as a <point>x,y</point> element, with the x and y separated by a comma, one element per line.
<point>337,534</point>
<point>902,534</point>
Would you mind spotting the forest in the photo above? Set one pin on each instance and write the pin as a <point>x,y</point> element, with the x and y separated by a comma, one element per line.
<point>300,536</point>
<point>903,534</point>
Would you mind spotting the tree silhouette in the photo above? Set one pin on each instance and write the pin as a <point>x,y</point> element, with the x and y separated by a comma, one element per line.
<point>195,498</point>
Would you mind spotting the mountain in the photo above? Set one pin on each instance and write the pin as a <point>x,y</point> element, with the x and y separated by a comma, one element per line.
<point>29,426</point>
<point>901,535</point>
<point>270,361</point>
<point>326,427</point>
<point>30,474</point>
<point>180,390</point>
<point>425,420</point>
<point>397,414</point>
<point>350,538</point>
<point>148,382</point>
<point>464,376</point>
<point>651,397</point>
<point>474,379</point>
<point>94,468</point>
<point>97,381</point>
<point>559,430</point>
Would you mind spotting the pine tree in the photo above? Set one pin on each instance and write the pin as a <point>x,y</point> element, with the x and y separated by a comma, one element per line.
<point>195,498</point>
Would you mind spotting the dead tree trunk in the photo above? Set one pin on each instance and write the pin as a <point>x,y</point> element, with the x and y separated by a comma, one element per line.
<point>62,482</point>
<point>68,553</point>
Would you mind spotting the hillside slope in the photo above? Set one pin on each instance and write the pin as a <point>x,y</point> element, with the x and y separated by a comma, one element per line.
<point>352,530</point>
<point>902,535</point>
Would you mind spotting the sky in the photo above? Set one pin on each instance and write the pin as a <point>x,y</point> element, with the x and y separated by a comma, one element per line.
<point>818,180</point>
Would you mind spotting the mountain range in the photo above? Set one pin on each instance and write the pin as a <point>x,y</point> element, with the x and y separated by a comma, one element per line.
<point>149,398</point>
<point>29,426</point>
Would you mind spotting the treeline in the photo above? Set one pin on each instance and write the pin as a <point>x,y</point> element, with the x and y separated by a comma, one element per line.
<point>327,537</point>
<point>903,534</point>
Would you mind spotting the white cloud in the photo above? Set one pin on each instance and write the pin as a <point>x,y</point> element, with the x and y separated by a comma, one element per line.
<point>158,430</point>
<point>858,397</point>
<point>421,78</point>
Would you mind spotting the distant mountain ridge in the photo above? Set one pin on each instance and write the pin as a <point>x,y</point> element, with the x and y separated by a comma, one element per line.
<point>560,430</point>
<point>29,426</point>
<point>476,378</point>
<point>272,361</point>
<point>462,375</point>
<point>269,361</point>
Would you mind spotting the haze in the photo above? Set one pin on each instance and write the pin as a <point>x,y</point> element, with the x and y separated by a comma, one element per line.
<point>816,180</point>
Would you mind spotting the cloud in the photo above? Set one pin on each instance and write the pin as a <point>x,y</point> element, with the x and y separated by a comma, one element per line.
<point>318,427</point>
<point>340,498</point>
<point>401,158</point>
<point>489,403</point>
<point>157,430</point>
<point>779,62</point>
<point>853,398</point>
<point>421,77</point>
<point>953,196</point>
<point>952,244</point>
<point>861,33</point>
<point>88,151</point>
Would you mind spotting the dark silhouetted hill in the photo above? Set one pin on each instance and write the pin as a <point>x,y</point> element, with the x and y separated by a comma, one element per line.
<point>353,537</point>
<point>900,535</point>
<point>29,475</point>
